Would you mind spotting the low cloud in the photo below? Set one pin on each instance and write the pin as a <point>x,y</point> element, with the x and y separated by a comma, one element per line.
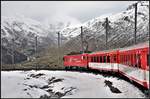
<point>75,12</point>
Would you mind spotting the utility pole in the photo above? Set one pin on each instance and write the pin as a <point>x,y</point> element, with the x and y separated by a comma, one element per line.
<point>13,53</point>
<point>58,47</point>
<point>36,51</point>
<point>106,27</point>
<point>82,39</point>
<point>135,25</point>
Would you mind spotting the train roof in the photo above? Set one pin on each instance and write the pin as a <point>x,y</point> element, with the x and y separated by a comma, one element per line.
<point>76,54</point>
<point>137,46</point>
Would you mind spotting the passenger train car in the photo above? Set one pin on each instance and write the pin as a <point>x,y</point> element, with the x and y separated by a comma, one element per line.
<point>132,62</point>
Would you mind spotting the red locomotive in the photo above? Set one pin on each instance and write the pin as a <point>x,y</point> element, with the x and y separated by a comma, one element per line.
<point>132,62</point>
<point>80,60</point>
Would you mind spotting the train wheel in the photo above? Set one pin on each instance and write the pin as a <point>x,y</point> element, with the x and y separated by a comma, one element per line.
<point>65,68</point>
<point>77,68</point>
<point>68,68</point>
<point>147,92</point>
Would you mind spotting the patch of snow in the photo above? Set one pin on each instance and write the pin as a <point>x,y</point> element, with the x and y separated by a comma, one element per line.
<point>26,84</point>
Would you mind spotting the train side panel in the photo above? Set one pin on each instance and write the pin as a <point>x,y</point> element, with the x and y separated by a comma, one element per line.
<point>76,60</point>
<point>133,64</point>
<point>104,61</point>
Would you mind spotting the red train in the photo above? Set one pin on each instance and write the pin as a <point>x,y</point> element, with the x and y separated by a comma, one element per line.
<point>132,62</point>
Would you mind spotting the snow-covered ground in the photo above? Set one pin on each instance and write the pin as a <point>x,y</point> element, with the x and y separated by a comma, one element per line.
<point>64,84</point>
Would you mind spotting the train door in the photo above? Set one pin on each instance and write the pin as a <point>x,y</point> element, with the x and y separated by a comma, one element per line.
<point>114,60</point>
<point>144,61</point>
<point>85,60</point>
<point>138,59</point>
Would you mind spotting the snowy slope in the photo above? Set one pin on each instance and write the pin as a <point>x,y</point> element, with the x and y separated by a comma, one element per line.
<point>32,84</point>
<point>121,29</point>
<point>24,30</point>
<point>22,24</point>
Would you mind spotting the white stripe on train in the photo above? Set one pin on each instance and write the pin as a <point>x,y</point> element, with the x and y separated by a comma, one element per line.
<point>133,73</point>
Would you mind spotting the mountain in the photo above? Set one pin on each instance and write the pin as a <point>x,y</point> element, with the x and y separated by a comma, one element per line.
<point>120,31</point>
<point>19,34</point>
<point>7,56</point>
<point>23,31</point>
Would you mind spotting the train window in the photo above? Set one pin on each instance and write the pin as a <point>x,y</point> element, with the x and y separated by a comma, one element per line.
<point>100,59</point>
<point>91,59</point>
<point>108,59</point>
<point>97,59</point>
<point>121,59</point>
<point>135,60</point>
<point>148,60</point>
<point>84,58</point>
<point>127,59</point>
<point>139,62</point>
<point>131,59</point>
<point>115,58</point>
<point>94,59</point>
<point>104,58</point>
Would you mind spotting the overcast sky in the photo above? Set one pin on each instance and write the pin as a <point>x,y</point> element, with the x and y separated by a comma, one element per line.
<point>51,11</point>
